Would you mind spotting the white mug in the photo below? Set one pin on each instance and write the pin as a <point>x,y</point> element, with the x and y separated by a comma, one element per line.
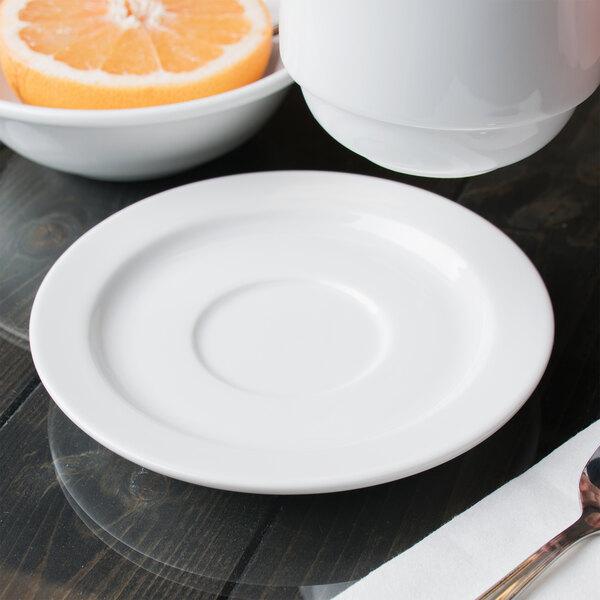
<point>442,88</point>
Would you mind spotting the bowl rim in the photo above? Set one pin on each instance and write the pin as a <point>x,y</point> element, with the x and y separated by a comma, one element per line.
<point>69,117</point>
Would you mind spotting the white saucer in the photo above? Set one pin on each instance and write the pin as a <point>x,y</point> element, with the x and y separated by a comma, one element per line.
<point>291,332</point>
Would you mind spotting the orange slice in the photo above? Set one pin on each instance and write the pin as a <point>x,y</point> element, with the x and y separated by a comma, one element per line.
<point>130,53</point>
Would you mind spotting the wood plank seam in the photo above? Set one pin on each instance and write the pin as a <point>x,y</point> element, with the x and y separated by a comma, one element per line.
<point>19,401</point>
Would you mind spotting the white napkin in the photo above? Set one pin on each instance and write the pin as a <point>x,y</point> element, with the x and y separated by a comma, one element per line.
<point>469,554</point>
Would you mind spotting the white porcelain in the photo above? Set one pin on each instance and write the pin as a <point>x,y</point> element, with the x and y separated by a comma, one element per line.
<point>442,88</point>
<point>273,8</point>
<point>291,332</point>
<point>140,143</point>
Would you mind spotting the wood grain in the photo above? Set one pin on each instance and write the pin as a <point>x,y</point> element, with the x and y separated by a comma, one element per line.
<point>46,551</point>
<point>17,378</point>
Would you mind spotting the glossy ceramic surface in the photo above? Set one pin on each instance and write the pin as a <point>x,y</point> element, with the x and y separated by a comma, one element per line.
<point>291,332</point>
<point>438,88</point>
<point>141,143</point>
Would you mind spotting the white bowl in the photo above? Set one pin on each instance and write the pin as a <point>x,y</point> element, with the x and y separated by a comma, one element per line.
<point>140,143</point>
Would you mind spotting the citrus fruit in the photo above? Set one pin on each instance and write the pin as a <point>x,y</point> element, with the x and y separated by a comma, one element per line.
<point>130,53</point>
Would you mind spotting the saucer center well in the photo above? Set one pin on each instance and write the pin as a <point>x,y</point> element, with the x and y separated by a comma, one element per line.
<point>290,337</point>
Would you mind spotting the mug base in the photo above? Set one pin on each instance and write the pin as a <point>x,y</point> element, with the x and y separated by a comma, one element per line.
<point>428,152</point>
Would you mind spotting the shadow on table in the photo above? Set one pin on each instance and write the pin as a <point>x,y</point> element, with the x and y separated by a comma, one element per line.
<point>260,546</point>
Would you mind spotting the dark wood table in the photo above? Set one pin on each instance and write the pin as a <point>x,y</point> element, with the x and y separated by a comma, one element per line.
<point>76,521</point>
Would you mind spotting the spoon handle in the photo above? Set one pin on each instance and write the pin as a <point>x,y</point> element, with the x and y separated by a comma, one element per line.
<point>522,575</point>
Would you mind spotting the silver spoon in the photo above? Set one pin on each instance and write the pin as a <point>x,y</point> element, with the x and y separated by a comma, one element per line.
<point>588,524</point>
